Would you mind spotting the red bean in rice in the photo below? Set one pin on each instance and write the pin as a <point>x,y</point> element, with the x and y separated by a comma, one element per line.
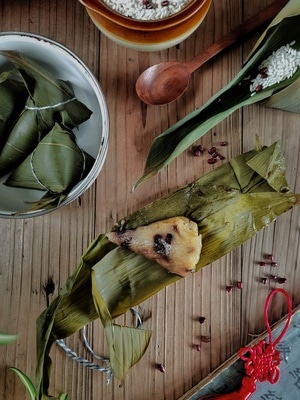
<point>280,65</point>
<point>147,9</point>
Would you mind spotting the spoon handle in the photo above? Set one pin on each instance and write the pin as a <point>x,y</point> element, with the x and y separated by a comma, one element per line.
<point>246,27</point>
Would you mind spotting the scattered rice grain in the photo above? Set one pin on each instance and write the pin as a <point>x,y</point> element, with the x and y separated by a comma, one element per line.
<point>147,10</point>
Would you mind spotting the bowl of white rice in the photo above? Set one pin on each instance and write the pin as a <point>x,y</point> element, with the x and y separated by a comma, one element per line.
<point>147,25</point>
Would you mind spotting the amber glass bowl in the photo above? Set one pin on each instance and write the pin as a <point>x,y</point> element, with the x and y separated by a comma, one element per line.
<point>145,35</point>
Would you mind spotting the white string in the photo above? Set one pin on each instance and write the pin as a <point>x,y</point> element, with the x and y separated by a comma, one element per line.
<point>70,353</point>
<point>87,345</point>
<point>41,183</point>
<point>106,369</point>
<point>62,103</point>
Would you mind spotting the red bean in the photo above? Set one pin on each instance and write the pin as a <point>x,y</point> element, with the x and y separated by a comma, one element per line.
<point>262,264</point>
<point>281,280</point>
<point>161,368</point>
<point>239,285</point>
<point>273,264</point>
<point>198,150</point>
<point>212,160</point>
<point>211,150</point>
<point>221,157</point>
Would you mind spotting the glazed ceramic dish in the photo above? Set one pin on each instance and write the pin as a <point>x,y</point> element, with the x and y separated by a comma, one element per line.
<point>145,35</point>
<point>92,135</point>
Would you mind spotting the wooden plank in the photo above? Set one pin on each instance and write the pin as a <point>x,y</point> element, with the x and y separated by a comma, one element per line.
<point>228,376</point>
<point>34,250</point>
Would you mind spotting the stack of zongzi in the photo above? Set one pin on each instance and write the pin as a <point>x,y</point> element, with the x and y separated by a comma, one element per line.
<point>38,148</point>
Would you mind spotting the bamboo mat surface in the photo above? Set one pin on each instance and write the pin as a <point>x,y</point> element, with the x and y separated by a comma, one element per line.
<point>36,250</point>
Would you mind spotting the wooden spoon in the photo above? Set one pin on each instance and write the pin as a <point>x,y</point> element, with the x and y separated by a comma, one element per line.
<point>165,82</point>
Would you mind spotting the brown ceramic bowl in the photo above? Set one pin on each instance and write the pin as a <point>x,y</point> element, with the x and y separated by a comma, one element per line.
<point>145,35</point>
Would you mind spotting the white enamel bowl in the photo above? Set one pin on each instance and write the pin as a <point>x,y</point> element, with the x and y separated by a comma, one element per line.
<point>92,136</point>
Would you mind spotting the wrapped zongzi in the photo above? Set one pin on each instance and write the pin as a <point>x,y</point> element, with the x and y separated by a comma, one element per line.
<point>55,166</point>
<point>50,100</point>
<point>13,95</point>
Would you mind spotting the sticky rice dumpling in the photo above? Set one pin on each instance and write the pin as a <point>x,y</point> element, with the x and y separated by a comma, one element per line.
<point>56,165</point>
<point>49,101</point>
<point>173,243</point>
<point>13,95</point>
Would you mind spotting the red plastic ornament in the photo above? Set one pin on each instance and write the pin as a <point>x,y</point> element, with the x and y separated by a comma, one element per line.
<point>261,361</point>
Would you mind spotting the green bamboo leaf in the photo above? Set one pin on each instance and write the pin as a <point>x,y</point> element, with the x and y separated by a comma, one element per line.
<point>45,90</point>
<point>56,165</point>
<point>27,383</point>
<point>273,171</point>
<point>63,396</point>
<point>287,99</point>
<point>230,204</point>
<point>7,338</point>
<point>172,142</point>
<point>49,101</point>
<point>13,96</point>
<point>126,345</point>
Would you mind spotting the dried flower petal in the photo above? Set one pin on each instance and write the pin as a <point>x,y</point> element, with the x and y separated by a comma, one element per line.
<point>229,288</point>
<point>202,320</point>
<point>198,347</point>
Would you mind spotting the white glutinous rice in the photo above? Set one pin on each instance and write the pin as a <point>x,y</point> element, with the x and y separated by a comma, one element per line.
<point>280,65</point>
<point>147,9</point>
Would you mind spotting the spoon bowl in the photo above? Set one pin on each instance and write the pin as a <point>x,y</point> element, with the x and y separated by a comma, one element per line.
<point>167,81</point>
<point>163,83</point>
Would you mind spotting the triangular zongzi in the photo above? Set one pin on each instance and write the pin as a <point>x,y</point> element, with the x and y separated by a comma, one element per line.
<point>56,165</point>
<point>50,101</point>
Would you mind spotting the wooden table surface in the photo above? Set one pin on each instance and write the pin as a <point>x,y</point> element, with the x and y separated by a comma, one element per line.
<point>34,250</point>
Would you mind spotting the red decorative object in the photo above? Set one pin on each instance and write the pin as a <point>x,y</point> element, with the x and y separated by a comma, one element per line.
<point>261,361</point>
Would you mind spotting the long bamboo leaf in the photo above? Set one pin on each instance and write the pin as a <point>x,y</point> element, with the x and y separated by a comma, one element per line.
<point>6,338</point>
<point>126,345</point>
<point>168,145</point>
<point>27,383</point>
<point>230,204</point>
